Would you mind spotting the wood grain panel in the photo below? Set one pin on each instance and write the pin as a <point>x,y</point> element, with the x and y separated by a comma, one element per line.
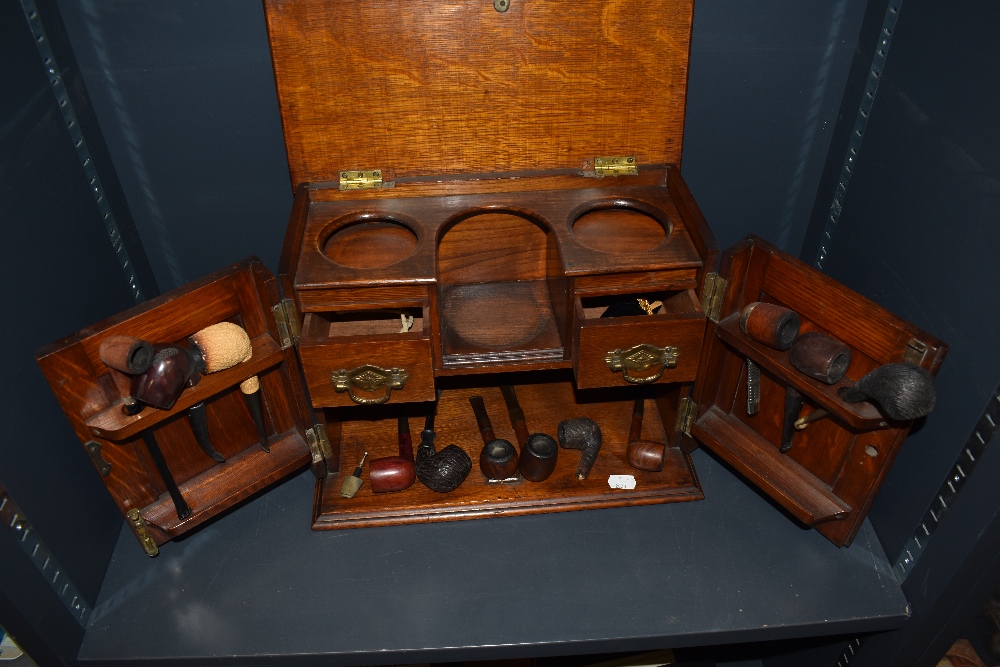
<point>447,87</point>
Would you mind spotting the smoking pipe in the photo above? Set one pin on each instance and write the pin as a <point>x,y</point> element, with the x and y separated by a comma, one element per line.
<point>183,510</point>
<point>394,473</point>
<point>498,459</point>
<point>643,454</point>
<point>539,452</point>
<point>900,391</point>
<point>819,356</point>
<point>172,369</point>
<point>442,471</point>
<point>222,346</point>
<point>770,324</point>
<point>126,354</point>
<point>584,434</point>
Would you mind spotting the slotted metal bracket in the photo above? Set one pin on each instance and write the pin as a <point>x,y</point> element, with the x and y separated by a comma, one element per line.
<point>968,458</point>
<point>687,410</point>
<point>12,517</point>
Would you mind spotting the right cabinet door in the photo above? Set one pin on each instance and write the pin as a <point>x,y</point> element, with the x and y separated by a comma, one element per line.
<point>809,389</point>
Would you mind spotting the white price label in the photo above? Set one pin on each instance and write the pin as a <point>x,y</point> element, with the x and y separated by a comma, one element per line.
<point>621,481</point>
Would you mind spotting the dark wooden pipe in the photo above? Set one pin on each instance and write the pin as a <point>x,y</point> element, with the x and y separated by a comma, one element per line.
<point>127,354</point>
<point>442,471</point>
<point>793,406</point>
<point>770,325</point>
<point>900,391</point>
<point>539,451</point>
<point>173,368</point>
<point>643,454</point>
<point>819,356</point>
<point>584,434</point>
<point>498,459</point>
<point>394,473</point>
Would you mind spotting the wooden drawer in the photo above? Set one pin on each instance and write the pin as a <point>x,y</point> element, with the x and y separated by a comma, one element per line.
<point>603,343</point>
<point>361,357</point>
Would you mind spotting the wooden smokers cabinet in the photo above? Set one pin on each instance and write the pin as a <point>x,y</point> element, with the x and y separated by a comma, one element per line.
<point>474,189</point>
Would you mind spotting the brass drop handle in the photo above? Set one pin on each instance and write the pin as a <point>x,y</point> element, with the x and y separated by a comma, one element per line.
<point>369,378</point>
<point>640,358</point>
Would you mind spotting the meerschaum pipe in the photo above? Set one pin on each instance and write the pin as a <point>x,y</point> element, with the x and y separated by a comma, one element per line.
<point>584,434</point>
<point>442,471</point>
<point>394,473</point>
<point>643,454</point>
<point>222,346</point>
<point>900,391</point>
<point>819,356</point>
<point>769,324</point>
<point>498,459</point>
<point>539,452</point>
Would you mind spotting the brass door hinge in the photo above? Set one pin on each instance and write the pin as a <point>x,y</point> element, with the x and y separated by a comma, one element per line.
<point>687,410</point>
<point>319,444</point>
<point>142,532</point>
<point>360,179</point>
<point>711,296</point>
<point>287,318</point>
<point>615,166</point>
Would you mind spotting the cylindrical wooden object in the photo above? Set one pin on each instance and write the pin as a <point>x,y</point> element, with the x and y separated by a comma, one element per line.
<point>770,325</point>
<point>643,454</point>
<point>127,354</point>
<point>817,355</point>
<point>498,458</point>
<point>539,451</point>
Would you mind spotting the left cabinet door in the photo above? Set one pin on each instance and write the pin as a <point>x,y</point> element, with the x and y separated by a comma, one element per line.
<point>231,426</point>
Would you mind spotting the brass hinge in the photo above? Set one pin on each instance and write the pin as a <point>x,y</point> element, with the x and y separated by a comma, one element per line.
<point>360,179</point>
<point>687,410</point>
<point>142,532</point>
<point>711,296</point>
<point>287,318</point>
<point>319,444</point>
<point>915,351</point>
<point>615,166</point>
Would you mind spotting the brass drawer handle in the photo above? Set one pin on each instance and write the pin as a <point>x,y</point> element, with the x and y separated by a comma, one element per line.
<point>369,378</point>
<point>640,358</point>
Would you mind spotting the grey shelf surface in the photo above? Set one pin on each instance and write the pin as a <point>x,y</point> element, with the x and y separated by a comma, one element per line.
<point>258,587</point>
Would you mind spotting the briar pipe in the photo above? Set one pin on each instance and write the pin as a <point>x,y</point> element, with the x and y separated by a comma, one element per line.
<point>584,434</point>
<point>820,357</point>
<point>539,452</point>
<point>643,454</point>
<point>498,459</point>
<point>173,368</point>
<point>900,391</point>
<point>770,325</point>
<point>224,345</point>
<point>442,471</point>
<point>394,473</point>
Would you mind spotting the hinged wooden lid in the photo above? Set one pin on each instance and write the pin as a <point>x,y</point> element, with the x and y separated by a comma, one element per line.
<point>431,87</point>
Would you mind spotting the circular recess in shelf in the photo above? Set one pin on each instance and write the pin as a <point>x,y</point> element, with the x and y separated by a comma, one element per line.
<point>370,243</point>
<point>620,226</point>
